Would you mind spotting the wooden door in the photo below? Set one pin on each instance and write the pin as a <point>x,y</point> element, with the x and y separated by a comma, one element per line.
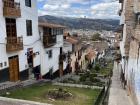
<point>14,68</point>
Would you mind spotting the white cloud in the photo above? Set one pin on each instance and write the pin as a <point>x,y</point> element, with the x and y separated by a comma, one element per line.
<point>104,9</point>
<point>40,0</point>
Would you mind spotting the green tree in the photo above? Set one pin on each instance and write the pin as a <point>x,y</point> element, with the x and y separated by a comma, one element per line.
<point>97,68</point>
<point>96,37</point>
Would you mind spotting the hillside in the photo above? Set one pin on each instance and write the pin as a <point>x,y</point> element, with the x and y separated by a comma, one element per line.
<point>81,23</point>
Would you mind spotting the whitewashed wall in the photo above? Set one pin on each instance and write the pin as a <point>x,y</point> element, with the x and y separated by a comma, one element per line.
<point>27,13</point>
<point>47,63</point>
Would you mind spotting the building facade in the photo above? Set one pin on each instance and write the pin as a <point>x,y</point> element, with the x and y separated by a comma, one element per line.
<point>127,54</point>
<point>28,49</point>
<point>19,40</point>
<point>52,50</point>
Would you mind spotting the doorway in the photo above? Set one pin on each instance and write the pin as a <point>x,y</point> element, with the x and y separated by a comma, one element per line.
<point>30,60</point>
<point>14,68</point>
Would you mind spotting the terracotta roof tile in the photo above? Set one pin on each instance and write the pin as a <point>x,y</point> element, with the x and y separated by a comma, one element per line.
<point>72,40</point>
<point>45,24</point>
<point>90,53</point>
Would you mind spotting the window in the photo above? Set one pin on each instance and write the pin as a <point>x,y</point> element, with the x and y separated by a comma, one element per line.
<point>51,73</point>
<point>5,63</point>
<point>1,65</point>
<point>50,53</point>
<point>29,27</point>
<point>61,31</point>
<point>28,3</point>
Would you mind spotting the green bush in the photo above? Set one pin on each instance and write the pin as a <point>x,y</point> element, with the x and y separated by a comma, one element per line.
<point>93,75</point>
<point>83,78</point>
<point>97,68</point>
<point>93,79</point>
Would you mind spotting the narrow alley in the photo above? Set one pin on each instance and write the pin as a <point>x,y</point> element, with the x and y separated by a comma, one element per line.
<point>118,96</point>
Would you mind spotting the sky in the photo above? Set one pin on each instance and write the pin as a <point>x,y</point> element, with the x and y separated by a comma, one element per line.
<point>101,9</point>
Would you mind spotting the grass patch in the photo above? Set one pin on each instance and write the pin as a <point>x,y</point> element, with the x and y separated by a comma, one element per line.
<point>82,96</point>
<point>106,71</point>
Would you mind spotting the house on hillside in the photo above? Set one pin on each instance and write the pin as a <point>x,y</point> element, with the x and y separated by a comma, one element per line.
<point>77,55</point>
<point>52,51</point>
<point>91,55</point>
<point>20,41</point>
<point>29,50</point>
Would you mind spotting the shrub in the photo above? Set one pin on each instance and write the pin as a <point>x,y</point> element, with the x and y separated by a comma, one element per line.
<point>97,68</point>
<point>93,79</point>
<point>59,93</point>
<point>83,78</point>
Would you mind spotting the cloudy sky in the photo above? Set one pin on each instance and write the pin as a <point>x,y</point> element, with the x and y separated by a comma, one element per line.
<point>80,8</point>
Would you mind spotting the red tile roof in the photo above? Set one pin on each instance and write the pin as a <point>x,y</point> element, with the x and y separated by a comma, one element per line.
<point>72,40</point>
<point>50,25</point>
<point>90,53</point>
<point>66,34</point>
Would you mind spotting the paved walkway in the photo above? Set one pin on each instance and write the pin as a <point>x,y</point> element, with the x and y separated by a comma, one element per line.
<point>10,101</point>
<point>118,96</point>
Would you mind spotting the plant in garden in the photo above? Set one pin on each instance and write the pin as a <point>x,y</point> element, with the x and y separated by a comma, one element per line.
<point>59,93</point>
<point>97,68</point>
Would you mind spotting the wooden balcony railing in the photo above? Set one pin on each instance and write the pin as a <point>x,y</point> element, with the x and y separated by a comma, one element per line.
<point>49,40</point>
<point>117,47</point>
<point>11,9</point>
<point>14,44</point>
<point>117,56</point>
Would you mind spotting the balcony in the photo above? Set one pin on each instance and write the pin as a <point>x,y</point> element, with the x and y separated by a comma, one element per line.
<point>49,40</point>
<point>136,6</point>
<point>14,44</point>
<point>117,56</point>
<point>11,9</point>
<point>117,47</point>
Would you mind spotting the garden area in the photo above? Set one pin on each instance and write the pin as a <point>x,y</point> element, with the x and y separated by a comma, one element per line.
<point>97,75</point>
<point>56,95</point>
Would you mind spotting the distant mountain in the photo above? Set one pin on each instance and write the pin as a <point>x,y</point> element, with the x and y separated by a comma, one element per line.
<point>81,23</point>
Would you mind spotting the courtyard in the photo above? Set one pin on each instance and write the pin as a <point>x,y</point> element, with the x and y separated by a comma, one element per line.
<point>60,95</point>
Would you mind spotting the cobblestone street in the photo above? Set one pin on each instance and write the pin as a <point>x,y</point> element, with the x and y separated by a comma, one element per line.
<point>118,96</point>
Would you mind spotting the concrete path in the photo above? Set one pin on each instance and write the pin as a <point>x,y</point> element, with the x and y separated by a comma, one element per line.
<point>10,101</point>
<point>118,96</point>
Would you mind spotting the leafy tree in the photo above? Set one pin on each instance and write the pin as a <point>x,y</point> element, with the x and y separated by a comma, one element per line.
<point>97,68</point>
<point>96,37</point>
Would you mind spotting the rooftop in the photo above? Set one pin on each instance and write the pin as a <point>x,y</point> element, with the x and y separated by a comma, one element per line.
<point>50,25</point>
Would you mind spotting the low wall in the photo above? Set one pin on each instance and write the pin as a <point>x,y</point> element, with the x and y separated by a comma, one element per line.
<point>77,85</point>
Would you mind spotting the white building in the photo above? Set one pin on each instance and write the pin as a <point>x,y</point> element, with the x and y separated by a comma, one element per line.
<point>19,38</point>
<point>52,42</point>
<point>24,52</point>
